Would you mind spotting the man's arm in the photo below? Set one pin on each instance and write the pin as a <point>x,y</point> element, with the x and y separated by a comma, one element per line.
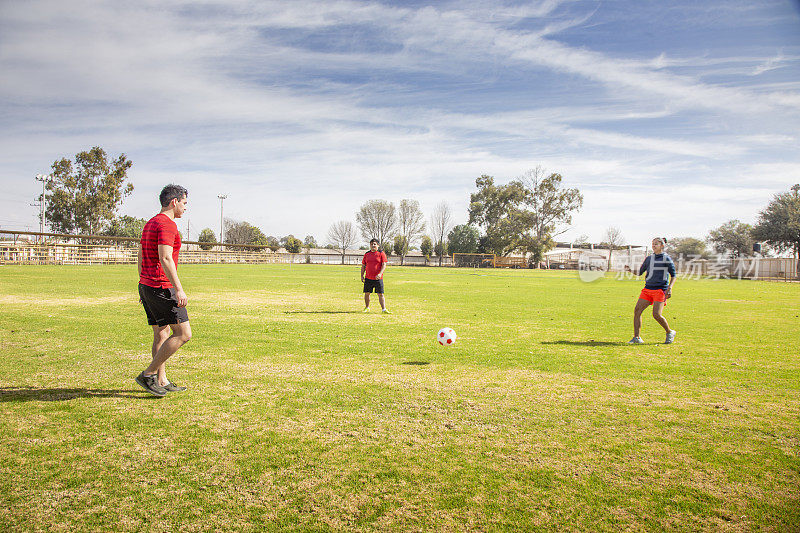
<point>363,269</point>
<point>165,257</point>
<point>380,274</point>
<point>139,261</point>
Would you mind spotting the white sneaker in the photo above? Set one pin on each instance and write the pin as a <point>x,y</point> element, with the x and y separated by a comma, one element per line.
<point>636,340</point>
<point>670,336</point>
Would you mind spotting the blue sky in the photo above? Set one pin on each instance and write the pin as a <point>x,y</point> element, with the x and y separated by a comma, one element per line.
<point>670,117</point>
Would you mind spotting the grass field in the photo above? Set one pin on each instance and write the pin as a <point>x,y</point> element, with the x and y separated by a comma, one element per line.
<point>305,414</point>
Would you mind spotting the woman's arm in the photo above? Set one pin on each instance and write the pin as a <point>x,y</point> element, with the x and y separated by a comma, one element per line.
<point>643,268</point>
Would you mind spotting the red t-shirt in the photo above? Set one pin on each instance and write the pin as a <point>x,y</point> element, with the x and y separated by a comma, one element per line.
<point>374,261</point>
<point>159,230</point>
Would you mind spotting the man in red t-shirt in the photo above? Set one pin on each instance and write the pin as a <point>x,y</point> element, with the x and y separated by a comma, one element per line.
<point>372,266</point>
<point>160,290</point>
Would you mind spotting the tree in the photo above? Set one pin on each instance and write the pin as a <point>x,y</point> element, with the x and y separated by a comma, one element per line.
<point>125,226</point>
<point>687,247</point>
<point>310,241</point>
<point>84,197</point>
<point>779,223</point>
<point>523,215</point>
<point>207,236</point>
<point>244,233</point>
<point>400,247</point>
<point>463,239</point>
<point>613,239</point>
<point>343,235</point>
<point>293,244</point>
<point>411,225</point>
<point>273,243</point>
<point>733,238</point>
<point>426,246</point>
<point>549,209</point>
<point>581,241</point>
<point>377,220</point>
<point>496,209</point>
<point>440,226</point>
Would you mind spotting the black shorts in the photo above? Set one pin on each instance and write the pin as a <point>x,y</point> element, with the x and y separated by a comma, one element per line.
<point>376,284</point>
<point>161,306</point>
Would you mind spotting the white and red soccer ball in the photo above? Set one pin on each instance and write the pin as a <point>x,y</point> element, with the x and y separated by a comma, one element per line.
<point>446,336</point>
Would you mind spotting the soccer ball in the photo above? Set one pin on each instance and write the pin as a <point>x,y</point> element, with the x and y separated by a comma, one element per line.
<point>446,336</point>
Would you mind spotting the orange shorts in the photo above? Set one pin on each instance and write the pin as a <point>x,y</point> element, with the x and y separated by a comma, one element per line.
<point>653,295</point>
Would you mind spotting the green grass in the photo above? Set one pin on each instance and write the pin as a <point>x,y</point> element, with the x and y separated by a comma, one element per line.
<point>304,413</point>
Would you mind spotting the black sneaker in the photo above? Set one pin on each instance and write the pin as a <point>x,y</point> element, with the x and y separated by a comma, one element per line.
<point>150,384</point>
<point>171,387</point>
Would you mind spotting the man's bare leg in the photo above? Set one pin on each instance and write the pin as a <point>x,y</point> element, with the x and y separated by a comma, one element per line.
<point>382,300</point>
<point>366,300</point>
<point>181,334</point>
<point>160,335</point>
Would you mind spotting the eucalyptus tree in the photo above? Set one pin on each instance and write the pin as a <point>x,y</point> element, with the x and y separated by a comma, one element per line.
<point>84,196</point>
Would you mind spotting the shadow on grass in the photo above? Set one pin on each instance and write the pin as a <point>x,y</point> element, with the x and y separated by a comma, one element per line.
<point>585,343</point>
<point>32,394</point>
<point>416,363</point>
<point>322,312</point>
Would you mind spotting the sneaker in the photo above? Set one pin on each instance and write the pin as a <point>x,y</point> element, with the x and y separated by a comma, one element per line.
<point>670,336</point>
<point>366,310</point>
<point>150,384</point>
<point>171,387</point>
<point>636,340</point>
<point>386,312</point>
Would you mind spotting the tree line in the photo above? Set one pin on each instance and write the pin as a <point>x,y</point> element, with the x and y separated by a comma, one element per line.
<point>522,216</point>
<point>397,229</point>
<point>777,230</point>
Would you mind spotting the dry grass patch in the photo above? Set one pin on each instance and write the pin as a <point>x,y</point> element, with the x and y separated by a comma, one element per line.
<point>53,301</point>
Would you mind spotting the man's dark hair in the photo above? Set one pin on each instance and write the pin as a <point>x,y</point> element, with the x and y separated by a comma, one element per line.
<point>171,192</point>
<point>374,240</point>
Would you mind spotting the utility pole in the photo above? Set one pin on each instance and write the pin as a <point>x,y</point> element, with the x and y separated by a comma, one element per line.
<point>44,178</point>
<point>221,225</point>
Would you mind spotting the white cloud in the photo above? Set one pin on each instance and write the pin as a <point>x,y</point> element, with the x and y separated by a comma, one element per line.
<point>214,95</point>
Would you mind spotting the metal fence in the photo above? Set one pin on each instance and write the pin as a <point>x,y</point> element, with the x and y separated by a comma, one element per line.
<point>57,249</point>
<point>764,268</point>
<point>49,249</point>
<point>769,268</point>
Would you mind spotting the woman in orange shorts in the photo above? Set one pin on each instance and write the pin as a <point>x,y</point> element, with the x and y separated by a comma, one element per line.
<point>657,289</point>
